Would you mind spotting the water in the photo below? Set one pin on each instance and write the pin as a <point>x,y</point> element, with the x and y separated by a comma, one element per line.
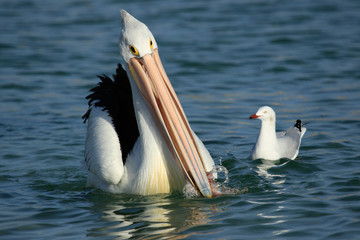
<point>225,59</point>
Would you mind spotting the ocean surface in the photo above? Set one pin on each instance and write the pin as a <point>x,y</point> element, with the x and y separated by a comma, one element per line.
<point>225,59</point>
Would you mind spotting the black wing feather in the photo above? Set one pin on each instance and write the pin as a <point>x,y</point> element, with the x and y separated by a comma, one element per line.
<point>116,98</point>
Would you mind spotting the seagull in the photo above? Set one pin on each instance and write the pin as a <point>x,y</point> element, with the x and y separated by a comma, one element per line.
<point>272,145</point>
<point>138,139</point>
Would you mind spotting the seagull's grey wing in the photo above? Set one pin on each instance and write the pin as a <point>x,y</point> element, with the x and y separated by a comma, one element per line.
<point>290,141</point>
<point>280,134</point>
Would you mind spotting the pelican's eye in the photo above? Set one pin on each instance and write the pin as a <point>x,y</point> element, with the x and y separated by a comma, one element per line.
<point>134,50</point>
<point>151,44</point>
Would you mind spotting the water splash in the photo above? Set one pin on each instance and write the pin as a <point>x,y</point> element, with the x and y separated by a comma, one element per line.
<point>218,178</point>
<point>189,191</point>
<point>218,169</point>
<point>221,187</point>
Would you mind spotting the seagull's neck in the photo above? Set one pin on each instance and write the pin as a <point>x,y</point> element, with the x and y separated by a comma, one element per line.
<point>267,135</point>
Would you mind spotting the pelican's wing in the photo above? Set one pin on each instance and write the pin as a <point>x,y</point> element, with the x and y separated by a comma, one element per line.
<point>205,155</point>
<point>103,156</point>
<point>112,127</point>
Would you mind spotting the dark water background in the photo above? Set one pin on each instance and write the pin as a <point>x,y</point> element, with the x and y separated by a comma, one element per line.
<point>225,59</point>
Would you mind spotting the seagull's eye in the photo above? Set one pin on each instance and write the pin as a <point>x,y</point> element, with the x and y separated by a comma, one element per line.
<point>134,50</point>
<point>265,112</point>
<point>151,44</point>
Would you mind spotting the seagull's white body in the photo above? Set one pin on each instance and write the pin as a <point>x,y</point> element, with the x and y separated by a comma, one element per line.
<point>165,153</point>
<point>272,145</point>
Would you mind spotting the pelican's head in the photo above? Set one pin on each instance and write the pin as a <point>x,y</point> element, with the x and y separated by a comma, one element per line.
<point>136,40</point>
<point>139,51</point>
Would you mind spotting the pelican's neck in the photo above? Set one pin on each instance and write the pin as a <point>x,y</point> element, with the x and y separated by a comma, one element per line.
<point>159,172</point>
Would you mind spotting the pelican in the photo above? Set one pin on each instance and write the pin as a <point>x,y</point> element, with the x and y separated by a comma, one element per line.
<point>138,138</point>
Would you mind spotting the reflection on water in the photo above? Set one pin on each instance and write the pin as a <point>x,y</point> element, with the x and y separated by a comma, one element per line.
<point>266,165</point>
<point>124,216</point>
<point>273,215</point>
<point>160,216</point>
<point>122,221</point>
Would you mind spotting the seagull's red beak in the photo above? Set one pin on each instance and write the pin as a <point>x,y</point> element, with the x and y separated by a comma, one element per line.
<point>253,116</point>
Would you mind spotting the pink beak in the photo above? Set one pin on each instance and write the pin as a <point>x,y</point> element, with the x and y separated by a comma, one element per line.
<point>155,87</point>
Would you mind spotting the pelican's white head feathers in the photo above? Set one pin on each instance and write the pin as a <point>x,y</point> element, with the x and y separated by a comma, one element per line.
<point>136,40</point>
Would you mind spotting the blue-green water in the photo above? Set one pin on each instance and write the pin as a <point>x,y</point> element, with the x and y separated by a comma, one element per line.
<point>225,59</point>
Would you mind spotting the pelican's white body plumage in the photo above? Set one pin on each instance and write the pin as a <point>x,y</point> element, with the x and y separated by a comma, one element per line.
<point>145,171</point>
<point>272,145</point>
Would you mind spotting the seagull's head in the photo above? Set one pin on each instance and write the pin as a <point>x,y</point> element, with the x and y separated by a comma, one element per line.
<point>264,113</point>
